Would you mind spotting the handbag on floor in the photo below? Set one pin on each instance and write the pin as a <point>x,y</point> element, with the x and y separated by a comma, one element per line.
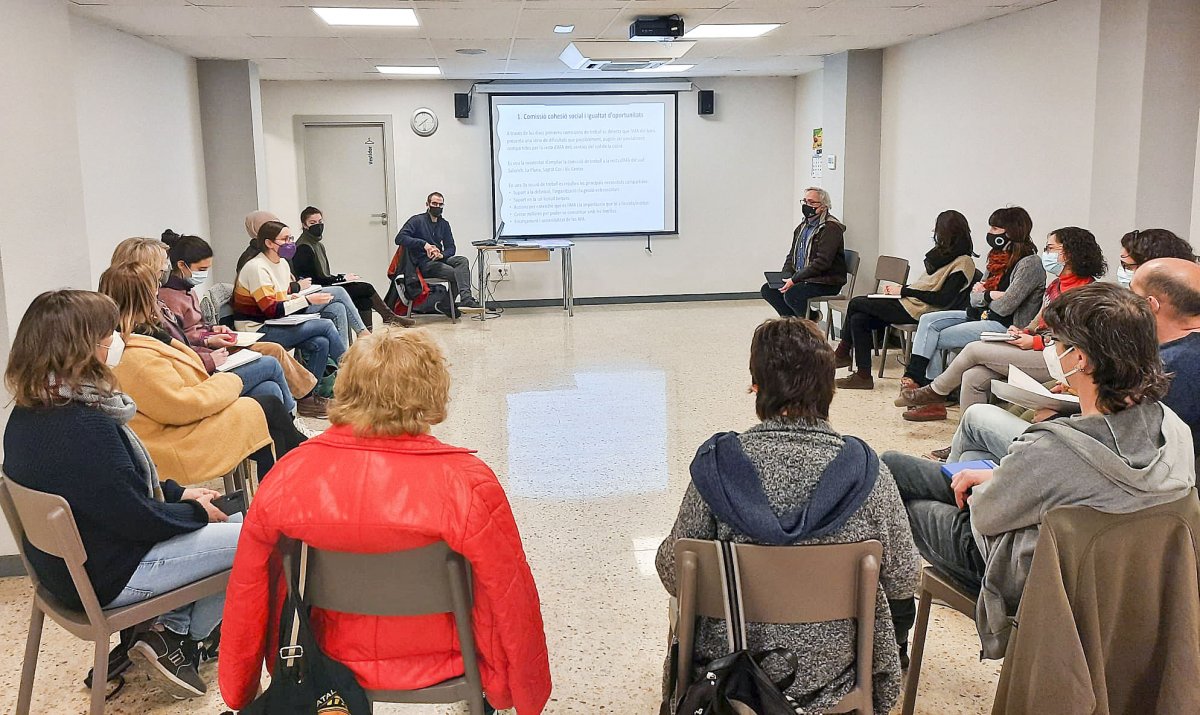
<point>736,684</point>
<point>305,681</point>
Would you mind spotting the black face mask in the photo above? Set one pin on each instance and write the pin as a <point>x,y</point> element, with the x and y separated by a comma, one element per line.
<point>997,240</point>
<point>435,211</point>
<point>316,229</point>
<point>808,211</point>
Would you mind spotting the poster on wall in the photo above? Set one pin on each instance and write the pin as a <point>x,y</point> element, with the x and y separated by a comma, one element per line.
<point>817,143</point>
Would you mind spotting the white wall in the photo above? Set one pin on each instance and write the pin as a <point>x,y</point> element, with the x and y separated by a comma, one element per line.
<point>139,139</point>
<point>994,114</point>
<point>736,183</point>
<point>1195,234</point>
<point>809,98</point>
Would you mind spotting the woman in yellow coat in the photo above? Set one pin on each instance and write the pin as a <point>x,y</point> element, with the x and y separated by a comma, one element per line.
<point>196,426</point>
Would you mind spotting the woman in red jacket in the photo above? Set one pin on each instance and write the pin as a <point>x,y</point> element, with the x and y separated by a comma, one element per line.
<point>377,481</point>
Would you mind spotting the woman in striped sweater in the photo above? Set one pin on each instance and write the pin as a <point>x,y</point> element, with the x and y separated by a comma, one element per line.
<point>264,290</point>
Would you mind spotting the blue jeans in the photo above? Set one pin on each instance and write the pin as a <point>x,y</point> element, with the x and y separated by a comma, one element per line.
<point>181,560</point>
<point>264,378</point>
<point>341,311</point>
<point>985,432</point>
<point>317,339</point>
<point>947,330</point>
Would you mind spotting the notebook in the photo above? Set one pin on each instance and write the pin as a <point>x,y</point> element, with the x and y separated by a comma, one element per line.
<point>294,319</point>
<point>1024,391</point>
<point>310,290</point>
<point>238,359</point>
<point>989,336</point>
<point>884,295</point>
<point>245,340</point>
<point>954,468</point>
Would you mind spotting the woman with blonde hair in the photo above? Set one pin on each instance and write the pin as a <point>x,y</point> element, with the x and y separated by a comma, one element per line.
<point>69,434</point>
<point>265,376</point>
<point>377,481</point>
<point>196,426</point>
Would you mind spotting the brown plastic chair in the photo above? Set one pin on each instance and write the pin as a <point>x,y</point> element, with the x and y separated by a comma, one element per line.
<point>416,582</point>
<point>843,296</point>
<point>888,269</point>
<point>785,584</point>
<point>46,521</point>
<point>907,331</point>
<point>934,584</point>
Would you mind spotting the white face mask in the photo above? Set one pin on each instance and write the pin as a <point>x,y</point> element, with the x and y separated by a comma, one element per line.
<point>1124,276</point>
<point>1054,364</point>
<point>115,350</point>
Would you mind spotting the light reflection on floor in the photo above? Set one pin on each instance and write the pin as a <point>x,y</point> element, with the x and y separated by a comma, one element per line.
<point>605,436</point>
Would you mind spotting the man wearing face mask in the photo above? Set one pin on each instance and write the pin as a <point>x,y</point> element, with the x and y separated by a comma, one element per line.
<point>1138,247</point>
<point>430,245</point>
<point>1125,452</point>
<point>816,263</point>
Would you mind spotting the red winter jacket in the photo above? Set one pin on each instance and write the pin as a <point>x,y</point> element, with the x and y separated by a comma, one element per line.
<point>378,494</point>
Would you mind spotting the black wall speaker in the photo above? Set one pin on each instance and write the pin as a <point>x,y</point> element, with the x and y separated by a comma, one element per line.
<point>462,105</point>
<point>705,102</point>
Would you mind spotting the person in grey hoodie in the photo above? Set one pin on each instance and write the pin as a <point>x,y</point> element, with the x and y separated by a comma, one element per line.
<point>1125,452</point>
<point>791,480</point>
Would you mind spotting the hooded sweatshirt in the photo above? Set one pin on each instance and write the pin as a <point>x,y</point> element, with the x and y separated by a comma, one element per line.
<point>1120,463</point>
<point>794,483</point>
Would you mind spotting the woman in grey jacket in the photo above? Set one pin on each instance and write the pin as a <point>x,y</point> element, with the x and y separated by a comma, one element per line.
<point>793,480</point>
<point>1124,453</point>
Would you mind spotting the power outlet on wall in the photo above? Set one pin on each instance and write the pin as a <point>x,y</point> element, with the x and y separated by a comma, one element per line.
<point>499,272</point>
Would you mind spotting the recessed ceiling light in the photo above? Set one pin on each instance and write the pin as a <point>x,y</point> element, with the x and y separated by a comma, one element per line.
<point>709,32</point>
<point>387,69</point>
<point>374,16</point>
<point>564,29</point>
<point>666,68</point>
<point>471,51</point>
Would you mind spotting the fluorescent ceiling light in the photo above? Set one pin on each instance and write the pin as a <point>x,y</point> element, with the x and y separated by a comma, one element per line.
<point>666,68</point>
<point>709,32</point>
<point>386,69</point>
<point>564,29</point>
<point>373,16</point>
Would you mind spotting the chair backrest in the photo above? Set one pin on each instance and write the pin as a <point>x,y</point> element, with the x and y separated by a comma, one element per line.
<point>852,263</point>
<point>415,582</point>
<point>782,584</point>
<point>215,306</point>
<point>891,269</point>
<point>46,521</point>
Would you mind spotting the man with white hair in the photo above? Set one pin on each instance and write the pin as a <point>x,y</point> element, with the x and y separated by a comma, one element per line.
<point>816,264</point>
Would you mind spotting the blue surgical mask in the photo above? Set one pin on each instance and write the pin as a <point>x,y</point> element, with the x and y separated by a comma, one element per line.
<point>198,277</point>
<point>1124,276</point>
<point>1051,264</point>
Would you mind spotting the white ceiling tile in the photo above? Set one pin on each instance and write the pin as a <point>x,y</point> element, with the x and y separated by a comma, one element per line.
<point>406,47</point>
<point>277,22</point>
<point>494,22</point>
<point>535,23</point>
<point>495,49</point>
<point>159,20</point>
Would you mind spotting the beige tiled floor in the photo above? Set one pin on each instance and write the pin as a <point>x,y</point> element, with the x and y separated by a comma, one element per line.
<point>590,423</point>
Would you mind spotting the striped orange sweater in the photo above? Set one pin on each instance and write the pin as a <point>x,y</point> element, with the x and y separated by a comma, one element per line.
<point>261,293</point>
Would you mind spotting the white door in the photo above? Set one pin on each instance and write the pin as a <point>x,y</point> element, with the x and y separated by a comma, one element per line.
<point>345,176</point>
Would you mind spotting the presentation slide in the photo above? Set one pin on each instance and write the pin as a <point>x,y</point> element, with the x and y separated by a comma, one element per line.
<point>583,165</point>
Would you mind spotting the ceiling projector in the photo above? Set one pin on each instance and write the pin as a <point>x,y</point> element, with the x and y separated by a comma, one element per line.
<point>656,29</point>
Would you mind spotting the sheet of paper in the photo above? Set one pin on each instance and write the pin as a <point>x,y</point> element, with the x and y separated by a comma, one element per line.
<point>884,295</point>
<point>294,319</point>
<point>238,359</point>
<point>245,340</point>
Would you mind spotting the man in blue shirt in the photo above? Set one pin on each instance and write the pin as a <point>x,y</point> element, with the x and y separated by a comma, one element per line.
<point>430,244</point>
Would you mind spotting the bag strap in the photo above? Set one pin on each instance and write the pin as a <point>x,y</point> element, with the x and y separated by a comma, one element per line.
<point>735,620</point>
<point>293,651</point>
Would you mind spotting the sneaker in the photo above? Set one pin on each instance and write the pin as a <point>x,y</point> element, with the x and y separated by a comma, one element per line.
<point>468,304</point>
<point>170,660</point>
<point>313,406</point>
<point>856,381</point>
<point>941,455</point>
<point>926,413</point>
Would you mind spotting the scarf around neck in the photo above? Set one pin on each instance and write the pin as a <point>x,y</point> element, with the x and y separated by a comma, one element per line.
<point>121,408</point>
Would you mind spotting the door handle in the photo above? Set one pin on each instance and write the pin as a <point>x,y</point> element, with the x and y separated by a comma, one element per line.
<point>381,216</point>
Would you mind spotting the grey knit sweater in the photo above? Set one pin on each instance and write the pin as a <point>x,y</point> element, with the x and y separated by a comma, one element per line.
<point>790,458</point>
<point>1022,298</point>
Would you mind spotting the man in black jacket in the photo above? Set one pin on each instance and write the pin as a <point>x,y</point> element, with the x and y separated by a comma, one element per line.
<point>430,243</point>
<point>816,263</point>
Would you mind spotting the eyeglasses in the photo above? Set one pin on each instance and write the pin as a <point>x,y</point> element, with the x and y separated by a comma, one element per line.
<point>812,203</point>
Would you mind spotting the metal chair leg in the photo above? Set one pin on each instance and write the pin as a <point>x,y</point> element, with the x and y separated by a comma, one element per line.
<point>887,335</point>
<point>33,645</point>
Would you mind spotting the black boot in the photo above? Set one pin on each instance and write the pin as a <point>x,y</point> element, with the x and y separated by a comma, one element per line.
<point>388,316</point>
<point>917,365</point>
